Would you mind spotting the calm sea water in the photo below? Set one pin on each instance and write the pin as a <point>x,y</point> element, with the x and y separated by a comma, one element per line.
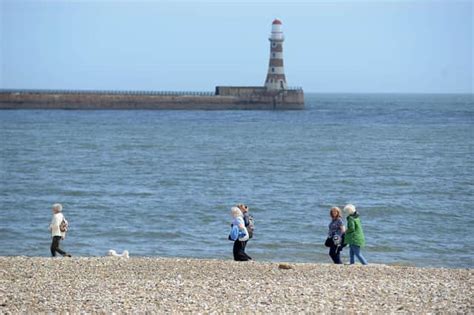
<point>161,183</point>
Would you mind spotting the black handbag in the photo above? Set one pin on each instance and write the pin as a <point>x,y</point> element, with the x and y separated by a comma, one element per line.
<point>329,242</point>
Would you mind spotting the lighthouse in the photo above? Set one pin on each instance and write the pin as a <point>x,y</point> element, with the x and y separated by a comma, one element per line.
<point>276,74</point>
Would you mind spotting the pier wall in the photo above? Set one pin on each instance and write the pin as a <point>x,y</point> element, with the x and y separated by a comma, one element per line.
<point>228,98</point>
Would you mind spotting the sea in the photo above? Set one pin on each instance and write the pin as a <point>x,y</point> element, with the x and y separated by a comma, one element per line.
<point>162,183</point>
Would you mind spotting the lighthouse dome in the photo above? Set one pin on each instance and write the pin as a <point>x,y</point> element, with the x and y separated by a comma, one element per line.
<point>277,33</point>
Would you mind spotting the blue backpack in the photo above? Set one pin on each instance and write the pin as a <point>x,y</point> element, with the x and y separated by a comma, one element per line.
<point>234,233</point>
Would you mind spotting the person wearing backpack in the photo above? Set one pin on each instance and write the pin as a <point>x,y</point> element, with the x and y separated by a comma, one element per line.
<point>58,228</point>
<point>248,221</point>
<point>239,234</point>
<point>354,235</point>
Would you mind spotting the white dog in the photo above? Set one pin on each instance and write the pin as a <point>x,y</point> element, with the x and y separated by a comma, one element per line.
<point>114,254</point>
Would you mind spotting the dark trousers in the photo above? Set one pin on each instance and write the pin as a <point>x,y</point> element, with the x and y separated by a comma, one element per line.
<point>239,251</point>
<point>335,253</point>
<point>55,246</point>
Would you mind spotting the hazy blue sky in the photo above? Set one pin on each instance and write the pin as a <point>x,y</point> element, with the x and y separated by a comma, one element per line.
<point>331,46</point>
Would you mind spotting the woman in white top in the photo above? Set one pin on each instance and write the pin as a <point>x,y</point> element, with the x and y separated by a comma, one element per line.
<point>239,244</point>
<point>55,228</point>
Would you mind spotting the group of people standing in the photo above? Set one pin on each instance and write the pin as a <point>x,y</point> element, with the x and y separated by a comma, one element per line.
<point>241,231</point>
<point>339,236</point>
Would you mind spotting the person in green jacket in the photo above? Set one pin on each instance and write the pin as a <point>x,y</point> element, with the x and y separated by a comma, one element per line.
<point>354,234</point>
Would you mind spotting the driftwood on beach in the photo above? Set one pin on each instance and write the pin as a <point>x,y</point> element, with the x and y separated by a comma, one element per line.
<point>112,284</point>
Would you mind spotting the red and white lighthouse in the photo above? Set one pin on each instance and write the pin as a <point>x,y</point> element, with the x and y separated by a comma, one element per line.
<point>276,74</point>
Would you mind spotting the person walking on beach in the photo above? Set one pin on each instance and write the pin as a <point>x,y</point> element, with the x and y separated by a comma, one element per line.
<point>241,236</point>
<point>58,228</point>
<point>354,236</point>
<point>249,224</point>
<point>335,239</point>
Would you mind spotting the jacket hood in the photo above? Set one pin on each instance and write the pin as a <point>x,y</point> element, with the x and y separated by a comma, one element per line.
<point>355,215</point>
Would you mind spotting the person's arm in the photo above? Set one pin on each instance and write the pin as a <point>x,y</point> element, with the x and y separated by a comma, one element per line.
<point>51,225</point>
<point>241,223</point>
<point>350,226</point>
<point>243,233</point>
<point>343,229</point>
<point>56,221</point>
<point>246,219</point>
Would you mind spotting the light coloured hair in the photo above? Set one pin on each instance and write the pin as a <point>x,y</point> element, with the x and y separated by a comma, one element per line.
<point>235,212</point>
<point>337,211</point>
<point>350,209</point>
<point>57,207</point>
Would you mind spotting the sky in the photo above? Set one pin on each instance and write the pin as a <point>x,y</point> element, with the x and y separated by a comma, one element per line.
<point>385,46</point>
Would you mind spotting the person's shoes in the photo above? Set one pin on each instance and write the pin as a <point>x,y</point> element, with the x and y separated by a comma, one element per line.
<point>67,255</point>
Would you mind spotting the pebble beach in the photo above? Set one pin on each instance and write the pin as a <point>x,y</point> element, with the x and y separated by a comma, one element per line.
<point>175,285</point>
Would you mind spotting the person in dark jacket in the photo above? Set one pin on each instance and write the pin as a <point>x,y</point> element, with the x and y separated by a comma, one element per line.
<point>336,232</point>
<point>354,235</point>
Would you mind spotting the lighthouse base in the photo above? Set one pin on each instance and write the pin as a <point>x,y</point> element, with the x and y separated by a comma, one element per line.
<point>263,97</point>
